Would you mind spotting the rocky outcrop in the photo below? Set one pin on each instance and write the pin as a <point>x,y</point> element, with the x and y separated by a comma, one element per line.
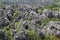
<point>53,27</point>
<point>28,19</point>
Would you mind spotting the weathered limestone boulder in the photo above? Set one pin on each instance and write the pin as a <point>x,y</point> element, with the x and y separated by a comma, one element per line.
<point>43,16</point>
<point>30,25</point>
<point>3,21</point>
<point>53,27</point>
<point>57,14</point>
<point>21,35</point>
<point>9,14</point>
<point>48,13</point>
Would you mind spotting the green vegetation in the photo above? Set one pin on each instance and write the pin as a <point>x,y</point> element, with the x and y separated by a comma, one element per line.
<point>33,36</point>
<point>16,13</point>
<point>17,26</point>
<point>51,37</point>
<point>7,32</point>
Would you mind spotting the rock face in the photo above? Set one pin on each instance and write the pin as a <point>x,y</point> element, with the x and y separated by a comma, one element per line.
<point>2,35</point>
<point>53,28</point>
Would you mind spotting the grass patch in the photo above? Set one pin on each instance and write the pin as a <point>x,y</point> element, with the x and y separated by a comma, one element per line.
<point>7,32</point>
<point>33,36</point>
